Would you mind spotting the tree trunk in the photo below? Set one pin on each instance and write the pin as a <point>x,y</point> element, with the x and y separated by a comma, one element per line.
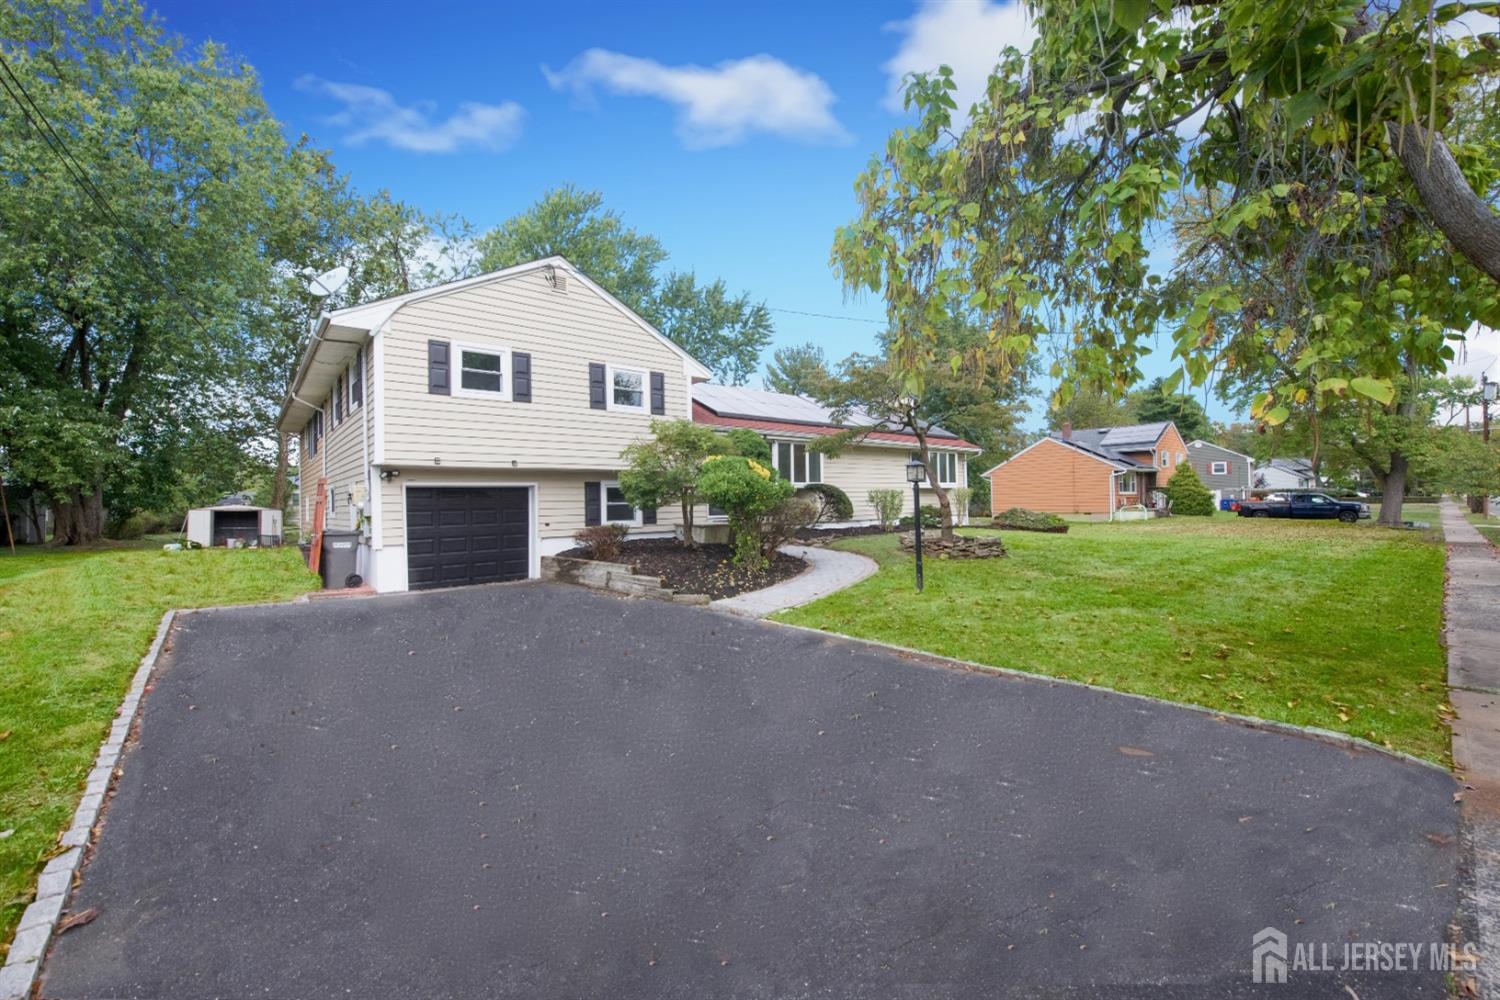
<point>283,465</point>
<point>687,520</point>
<point>937,490</point>
<point>80,516</point>
<point>1464,217</point>
<point>1393,491</point>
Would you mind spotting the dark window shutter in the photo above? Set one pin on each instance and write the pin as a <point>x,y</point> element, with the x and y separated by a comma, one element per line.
<point>648,515</point>
<point>338,400</point>
<point>438,368</point>
<point>591,510</point>
<point>658,392</point>
<point>596,387</point>
<point>357,384</point>
<point>520,377</point>
<point>1228,468</point>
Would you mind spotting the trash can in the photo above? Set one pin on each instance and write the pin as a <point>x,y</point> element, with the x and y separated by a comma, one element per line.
<point>340,559</point>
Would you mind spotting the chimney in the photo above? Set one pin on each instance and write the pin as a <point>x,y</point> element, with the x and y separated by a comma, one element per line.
<point>1067,430</point>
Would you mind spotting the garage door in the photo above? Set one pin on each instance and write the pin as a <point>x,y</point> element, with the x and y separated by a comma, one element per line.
<point>456,536</point>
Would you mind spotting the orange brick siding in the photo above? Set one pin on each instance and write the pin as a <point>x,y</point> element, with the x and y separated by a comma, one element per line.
<point>1172,445</point>
<point>1051,477</point>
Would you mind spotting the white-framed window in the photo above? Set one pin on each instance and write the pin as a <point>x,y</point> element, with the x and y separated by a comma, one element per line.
<point>625,389</point>
<point>1127,483</point>
<point>614,508</point>
<point>1166,456</point>
<point>796,462</point>
<point>1218,468</point>
<point>946,463</point>
<point>481,371</point>
<point>356,380</point>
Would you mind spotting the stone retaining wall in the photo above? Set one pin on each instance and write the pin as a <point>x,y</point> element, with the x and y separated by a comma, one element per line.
<point>617,577</point>
<point>958,547</point>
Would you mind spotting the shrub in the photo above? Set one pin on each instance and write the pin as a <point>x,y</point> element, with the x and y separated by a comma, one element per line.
<point>1187,494</point>
<point>829,503</point>
<point>749,444</point>
<point>1021,519</point>
<point>747,491</point>
<point>781,524</point>
<point>960,499</point>
<point>605,542</point>
<point>932,517</point>
<point>887,504</point>
<point>664,468</point>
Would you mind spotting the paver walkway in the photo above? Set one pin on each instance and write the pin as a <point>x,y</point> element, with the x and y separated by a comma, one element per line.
<point>1472,613</point>
<point>828,571</point>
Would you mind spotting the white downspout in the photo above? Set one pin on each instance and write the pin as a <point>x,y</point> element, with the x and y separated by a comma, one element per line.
<point>1112,504</point>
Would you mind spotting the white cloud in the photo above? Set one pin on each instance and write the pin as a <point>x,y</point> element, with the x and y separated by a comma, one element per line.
<point>373,114</point>
<point>967,37</point>
<point>719,105</point>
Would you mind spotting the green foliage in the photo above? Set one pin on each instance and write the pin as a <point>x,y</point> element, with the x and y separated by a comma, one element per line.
<point>747,491</point>
<point>605,542</point>
<point>664,468</point>
<point>961,497</point>
<point>932,517</point>
<point>1318,270</point>
<point>723,331</point>
<point>1454,460</point>
<point>828,501</point>
<point>749,444</point>
<point>1187,494</point>
<point>1089,408</point>
<point>1021,519</point>
<point>1153,404</point>
<point>887,504</point>
<point>801,370</point>
<point>781,524</point>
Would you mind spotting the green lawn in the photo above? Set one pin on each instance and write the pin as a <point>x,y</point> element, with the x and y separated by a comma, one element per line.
<point>1319,624</point>
<point>1489,527</point>
<point>73,627</point>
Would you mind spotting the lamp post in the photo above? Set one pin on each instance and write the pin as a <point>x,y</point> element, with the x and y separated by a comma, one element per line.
<point>1486,397</point>
<point>916,474</point>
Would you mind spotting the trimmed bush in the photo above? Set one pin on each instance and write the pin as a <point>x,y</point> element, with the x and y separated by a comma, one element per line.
<point>605,542</point>
<point>960,498</point>
<point>887,504</point>
<point>781,524</point>
<point>1187,494</point>
<point>1021,519</point>
<point>749,444</point>
<point>829,503</point>
<point>747,491</point>
<point>932,517</point>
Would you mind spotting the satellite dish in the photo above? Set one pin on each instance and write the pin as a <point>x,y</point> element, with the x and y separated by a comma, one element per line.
<point>321,286</point>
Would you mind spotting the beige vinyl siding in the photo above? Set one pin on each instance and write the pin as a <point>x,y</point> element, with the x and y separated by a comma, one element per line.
<point>563,332</point>
<point>559,498</point>
<point>339,459</point>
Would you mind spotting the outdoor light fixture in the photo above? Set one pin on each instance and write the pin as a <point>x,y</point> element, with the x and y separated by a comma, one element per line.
<point>916,474</point>
<point>386,475</point>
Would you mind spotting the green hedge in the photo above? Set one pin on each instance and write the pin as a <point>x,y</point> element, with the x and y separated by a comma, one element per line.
<point>1021,519</point>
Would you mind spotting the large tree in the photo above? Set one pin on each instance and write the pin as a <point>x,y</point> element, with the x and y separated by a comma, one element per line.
<point>724,331</point>
<point>1153,403</point>
<point>134,211</point>
<point>1332,126</point>
<point>801,370</point>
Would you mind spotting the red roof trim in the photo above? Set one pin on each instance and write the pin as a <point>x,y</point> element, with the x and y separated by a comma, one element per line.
<point>703,415</point>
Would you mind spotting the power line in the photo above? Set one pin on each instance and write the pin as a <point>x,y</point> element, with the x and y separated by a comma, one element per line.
<point>58,147</point>
<point>846,319</point>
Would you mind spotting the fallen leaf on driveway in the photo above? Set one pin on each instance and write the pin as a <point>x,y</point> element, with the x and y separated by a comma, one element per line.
<point>1135,752</point>
<point>78,919</point>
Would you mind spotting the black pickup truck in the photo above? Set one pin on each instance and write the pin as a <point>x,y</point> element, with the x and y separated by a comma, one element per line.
<point>1311,505</point>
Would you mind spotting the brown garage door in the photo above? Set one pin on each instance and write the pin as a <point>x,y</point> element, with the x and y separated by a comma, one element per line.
<point>461,535</point>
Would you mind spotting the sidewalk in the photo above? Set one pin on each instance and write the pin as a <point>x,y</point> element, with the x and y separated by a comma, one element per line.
<point>828,571</point>
<point>1472,616</point>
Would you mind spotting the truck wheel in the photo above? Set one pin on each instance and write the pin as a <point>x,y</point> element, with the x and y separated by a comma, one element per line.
<point>1348,516</point>
<point>1260,513</point>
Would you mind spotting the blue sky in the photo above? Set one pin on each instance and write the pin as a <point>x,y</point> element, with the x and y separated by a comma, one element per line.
<point>732,132</point>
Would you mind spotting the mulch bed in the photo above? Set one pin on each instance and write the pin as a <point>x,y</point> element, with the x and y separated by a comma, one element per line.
<point>707,569</point>
<point>829,534</point>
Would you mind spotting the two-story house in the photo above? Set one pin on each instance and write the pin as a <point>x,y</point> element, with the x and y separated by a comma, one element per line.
<point>470,428</point>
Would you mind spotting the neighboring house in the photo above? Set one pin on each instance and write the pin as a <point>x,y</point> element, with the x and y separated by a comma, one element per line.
<point>1226,473</point>
<point>1285,474</point>
<point>792,423</point>
<point>1094,471</point>
<point>470,428</point>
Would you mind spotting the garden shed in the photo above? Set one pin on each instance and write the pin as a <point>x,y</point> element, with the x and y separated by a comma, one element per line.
<point>235,525</point>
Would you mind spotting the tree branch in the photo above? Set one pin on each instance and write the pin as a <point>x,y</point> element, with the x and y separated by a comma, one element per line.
<point>1462,216</point>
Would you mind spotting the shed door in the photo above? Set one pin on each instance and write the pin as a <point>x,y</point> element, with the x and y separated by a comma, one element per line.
<point>462,535</point>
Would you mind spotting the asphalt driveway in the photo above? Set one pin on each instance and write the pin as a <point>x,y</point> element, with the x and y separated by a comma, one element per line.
<point>537,791</point>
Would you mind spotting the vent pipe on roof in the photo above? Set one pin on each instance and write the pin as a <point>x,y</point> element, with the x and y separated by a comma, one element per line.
<point>1067,430</point>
